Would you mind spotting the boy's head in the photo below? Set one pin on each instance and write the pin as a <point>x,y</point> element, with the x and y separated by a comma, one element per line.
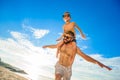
<point>66,14</point>
<point>66,17</point>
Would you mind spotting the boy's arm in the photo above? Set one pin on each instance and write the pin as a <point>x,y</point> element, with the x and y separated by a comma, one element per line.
<point>83,36</point>
<point>90,59</point>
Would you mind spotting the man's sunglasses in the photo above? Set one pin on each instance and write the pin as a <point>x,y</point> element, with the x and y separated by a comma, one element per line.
<point>67,37</point>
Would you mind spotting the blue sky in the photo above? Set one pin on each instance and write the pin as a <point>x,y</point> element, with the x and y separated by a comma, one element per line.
<point>41,23</point>
<point>98,19</point>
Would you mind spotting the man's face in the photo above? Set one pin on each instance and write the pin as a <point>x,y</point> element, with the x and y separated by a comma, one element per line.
<point>67,38</point>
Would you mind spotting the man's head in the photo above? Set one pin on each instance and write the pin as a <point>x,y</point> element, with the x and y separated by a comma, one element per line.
<point>68,37</point>
<point>66,16</point>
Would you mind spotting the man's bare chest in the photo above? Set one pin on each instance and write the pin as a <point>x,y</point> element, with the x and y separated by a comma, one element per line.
<point>67,50</point>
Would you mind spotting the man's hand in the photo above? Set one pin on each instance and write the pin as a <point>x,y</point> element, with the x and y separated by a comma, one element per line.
<point>44,47</point>
<point>102,65</point>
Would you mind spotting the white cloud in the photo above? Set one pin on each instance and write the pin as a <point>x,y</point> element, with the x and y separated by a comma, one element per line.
<point>37,33</point>
<point>17,35</point>
<point>22,53</point>
<point>83,47</point>
<point>21,39</point>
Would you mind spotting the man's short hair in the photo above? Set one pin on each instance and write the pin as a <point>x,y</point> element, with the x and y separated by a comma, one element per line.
<point>70,33</point>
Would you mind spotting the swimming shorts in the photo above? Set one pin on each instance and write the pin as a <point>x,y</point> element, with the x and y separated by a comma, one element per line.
<point>65,72</point>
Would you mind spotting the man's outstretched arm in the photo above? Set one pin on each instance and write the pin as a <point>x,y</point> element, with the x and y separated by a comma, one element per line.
<point>53,45</point>
<point>50,46</point>
<point>90,59</point>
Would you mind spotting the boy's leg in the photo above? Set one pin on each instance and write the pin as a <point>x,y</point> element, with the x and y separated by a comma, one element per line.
<point>58,48</point>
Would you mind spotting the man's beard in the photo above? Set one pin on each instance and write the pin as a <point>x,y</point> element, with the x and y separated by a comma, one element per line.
<point>66,42</point>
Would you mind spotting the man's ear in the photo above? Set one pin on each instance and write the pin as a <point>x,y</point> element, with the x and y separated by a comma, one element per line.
<point>72,39</point>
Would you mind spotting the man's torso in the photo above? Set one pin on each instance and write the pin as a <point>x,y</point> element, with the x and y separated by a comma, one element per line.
<point>67,54</point>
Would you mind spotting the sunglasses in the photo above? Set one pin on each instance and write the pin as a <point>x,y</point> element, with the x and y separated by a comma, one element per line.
<point>67,37</point>
<point>66,15</point>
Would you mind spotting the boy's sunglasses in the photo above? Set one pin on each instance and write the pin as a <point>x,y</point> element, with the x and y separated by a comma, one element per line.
<point>66,15</point>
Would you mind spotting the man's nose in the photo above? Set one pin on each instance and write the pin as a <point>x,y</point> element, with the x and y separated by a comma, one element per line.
<point>65,38</point>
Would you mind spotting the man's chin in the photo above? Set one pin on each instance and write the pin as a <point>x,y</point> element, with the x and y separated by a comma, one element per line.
<point>66,42</point>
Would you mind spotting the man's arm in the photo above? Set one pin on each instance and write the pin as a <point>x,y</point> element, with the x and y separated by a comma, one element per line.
<point>53,46</point>
<point>90,59</point>
<point>50,46</point>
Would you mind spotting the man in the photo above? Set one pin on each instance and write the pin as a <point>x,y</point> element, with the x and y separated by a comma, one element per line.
<point>63,68</point>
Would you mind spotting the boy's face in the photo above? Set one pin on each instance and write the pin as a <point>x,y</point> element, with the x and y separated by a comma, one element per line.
<point>66,18</point>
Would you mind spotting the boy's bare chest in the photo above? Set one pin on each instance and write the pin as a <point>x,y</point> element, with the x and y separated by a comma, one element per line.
<point>69,27</point>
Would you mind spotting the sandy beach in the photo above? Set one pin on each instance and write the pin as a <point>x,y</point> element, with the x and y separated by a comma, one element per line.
<point>6,74</point>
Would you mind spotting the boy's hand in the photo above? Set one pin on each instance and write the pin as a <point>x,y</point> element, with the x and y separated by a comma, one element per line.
<point>83,36</point>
